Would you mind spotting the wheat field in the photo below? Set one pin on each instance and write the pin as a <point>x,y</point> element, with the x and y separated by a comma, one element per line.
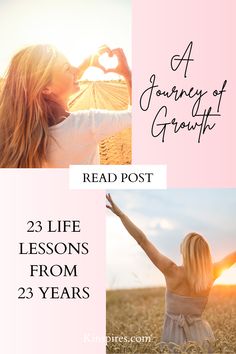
<point>139,312</point>
<point>112,95</point>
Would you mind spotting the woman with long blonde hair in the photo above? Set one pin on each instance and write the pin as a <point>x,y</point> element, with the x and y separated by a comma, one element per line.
<point>187,286</point>
<point>36,127</point>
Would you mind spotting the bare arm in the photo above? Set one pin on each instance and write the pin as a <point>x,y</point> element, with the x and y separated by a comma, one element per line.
<point>163,263</point>
<point>122,69</point>
<point>128,79</point>
<point>224,264</point>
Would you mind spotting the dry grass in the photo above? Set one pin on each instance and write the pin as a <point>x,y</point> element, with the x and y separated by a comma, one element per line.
<point>139,312</point>
<point>112,95</point>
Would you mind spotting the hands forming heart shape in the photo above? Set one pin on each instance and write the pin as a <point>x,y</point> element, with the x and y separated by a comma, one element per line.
<point>121,68</point>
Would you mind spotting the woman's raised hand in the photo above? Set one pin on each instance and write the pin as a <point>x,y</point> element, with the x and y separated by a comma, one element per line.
<point>93,60</point>
<point>112,206</point>
<point>122,68</point>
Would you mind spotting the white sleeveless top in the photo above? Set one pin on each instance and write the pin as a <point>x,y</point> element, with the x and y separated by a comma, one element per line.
<point>75,140</point>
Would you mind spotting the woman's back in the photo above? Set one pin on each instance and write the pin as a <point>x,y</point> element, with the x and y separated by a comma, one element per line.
<point>177,283</point>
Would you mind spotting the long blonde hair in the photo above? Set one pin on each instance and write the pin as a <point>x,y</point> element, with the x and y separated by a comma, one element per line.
<point>197,262</point>
<point>25,112</point>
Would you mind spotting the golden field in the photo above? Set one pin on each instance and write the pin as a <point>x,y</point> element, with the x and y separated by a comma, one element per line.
<point>139,312</point>
<point>112,95</point>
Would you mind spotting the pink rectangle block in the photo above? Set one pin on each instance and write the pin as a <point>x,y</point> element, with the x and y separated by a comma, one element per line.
<point>50,325</point>
<point>162,29</point>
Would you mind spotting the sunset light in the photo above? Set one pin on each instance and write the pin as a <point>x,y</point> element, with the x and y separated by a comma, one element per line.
<point>77,29</point>
<point>227,277</point>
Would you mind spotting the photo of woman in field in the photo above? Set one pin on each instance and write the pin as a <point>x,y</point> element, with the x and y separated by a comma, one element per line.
<point>187,285</point>
<point>37,128</point>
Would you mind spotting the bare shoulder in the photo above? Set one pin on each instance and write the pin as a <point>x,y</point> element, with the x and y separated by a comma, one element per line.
<point>175,276</point>
<point>175,271</point>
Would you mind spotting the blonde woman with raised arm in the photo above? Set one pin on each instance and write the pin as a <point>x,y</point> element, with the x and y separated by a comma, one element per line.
<point>36,127</point>
<point>187,286</point>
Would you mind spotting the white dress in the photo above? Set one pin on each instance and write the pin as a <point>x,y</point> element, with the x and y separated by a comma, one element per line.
<point>76,139</point>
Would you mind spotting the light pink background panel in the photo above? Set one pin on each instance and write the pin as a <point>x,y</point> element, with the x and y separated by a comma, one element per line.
<point>50,326</point>
<point>162,29</point>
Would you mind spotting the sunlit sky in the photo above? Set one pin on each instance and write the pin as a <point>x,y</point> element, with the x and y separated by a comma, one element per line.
<point>76,27</point>
<point>166,216</point>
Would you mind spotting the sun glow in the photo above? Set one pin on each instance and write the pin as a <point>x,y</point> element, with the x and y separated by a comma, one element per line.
<point>94,73</point>
<point>227,277</point>
<point>76,27</point>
